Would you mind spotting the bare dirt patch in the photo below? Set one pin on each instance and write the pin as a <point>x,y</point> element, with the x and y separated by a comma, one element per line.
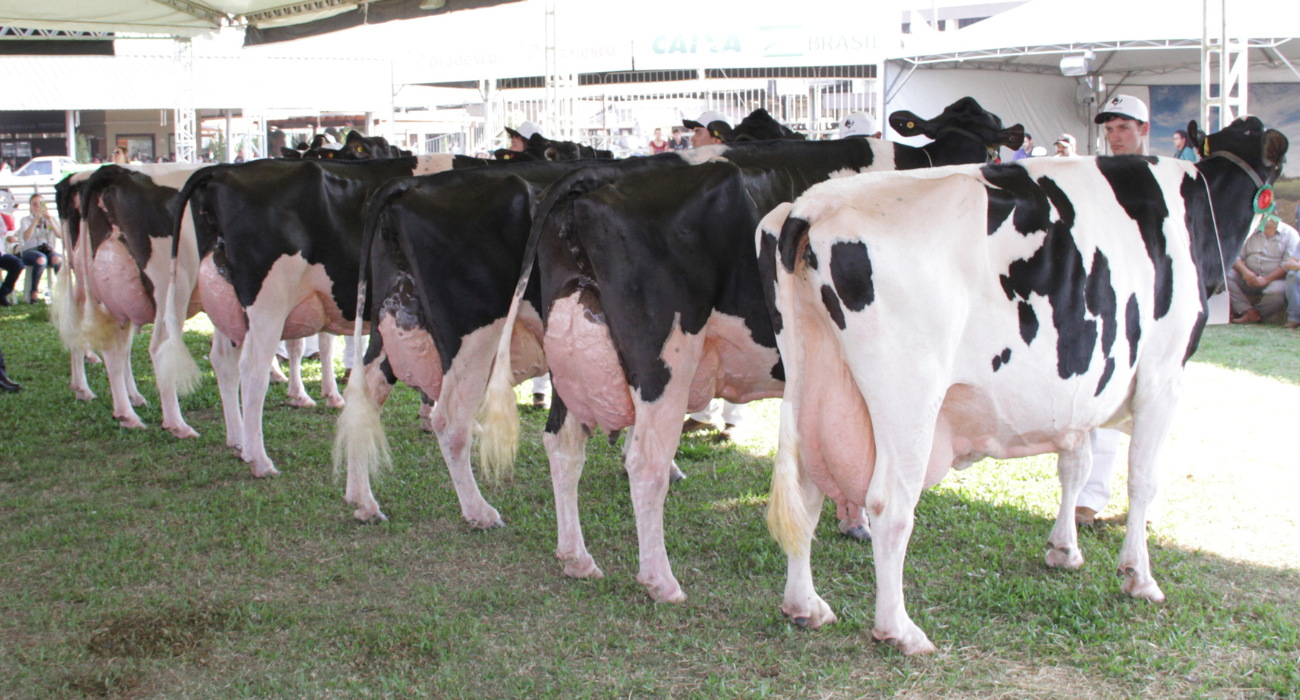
<point>156,635</point>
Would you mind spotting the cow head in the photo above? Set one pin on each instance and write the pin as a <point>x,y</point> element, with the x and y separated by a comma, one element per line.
<point>963,130</point>
<point>1246,138</point>
<point>760,126</point>
<point>290,152</point>
<point>546,149</point>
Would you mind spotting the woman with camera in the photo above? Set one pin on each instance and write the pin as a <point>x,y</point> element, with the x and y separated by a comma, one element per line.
<point>38,232</point>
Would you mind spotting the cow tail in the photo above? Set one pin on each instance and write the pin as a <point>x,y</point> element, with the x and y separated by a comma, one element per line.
<point>498,413</point>
<point>787,513</point>
<point>64,312</point>
<point>361,443</point>
<point>174,367</point>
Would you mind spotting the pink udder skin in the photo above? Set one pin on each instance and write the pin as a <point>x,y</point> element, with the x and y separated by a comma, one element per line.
<point>837,445</point>
<point>585,367</point>
<point>220,303</point>
<point>115,282</point>
<point>733,366</point>
<point>413,356</point>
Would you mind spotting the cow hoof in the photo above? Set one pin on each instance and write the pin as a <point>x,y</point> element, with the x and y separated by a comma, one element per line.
<point>860,533</point>
<point>816,613</point>
<point>670,593</point>
<point>1064,558</point>
<point>132,422</point>
<point>84,394</point>
<point>303,401</point>
<point>1144,587</point>
<point>138,401</point>
<point>582,567</point>
<point>491,523</point>
<point>426,424</point>
<point>182,432</point>
<point>263,471</point>
<point>335,401</point>
<point>912,643</point>
<point>374,518</point>
<point>238,448</point>
<point>676,475</point>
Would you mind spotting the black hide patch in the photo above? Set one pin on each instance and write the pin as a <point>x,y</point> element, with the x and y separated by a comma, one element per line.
<point>1056,271</point>
<point>1100,296</point>
<point>832,303</point>
<point>767,276</point>
<point>1105,376</point>
<point>1132,328</point>
<point>851,273</point>
<point>1001,359</point>
<point>1137,191</point>
<point>1000,206</point>
<point>1029,201</point>
<point>1195,340</point>
<point>1028,322</point>
<point>559,412</point>
<point>810,257</point>
<point>793,231</point>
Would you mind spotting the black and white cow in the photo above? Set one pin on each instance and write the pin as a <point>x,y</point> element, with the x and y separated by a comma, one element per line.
<point>278,243</point>
<point>118,222</point>
<point>930,319</point>
<point>440,258</point>
<point>652,304</point>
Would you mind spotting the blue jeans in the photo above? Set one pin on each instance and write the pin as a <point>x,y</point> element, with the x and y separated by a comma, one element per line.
<point>13,266</point>
<point>36,260</point>
<point>1293,296</point>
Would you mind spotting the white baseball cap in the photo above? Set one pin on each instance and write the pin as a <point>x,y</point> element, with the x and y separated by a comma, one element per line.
<point>707,118</point>
<point>525,130</point>
<point>1126,106</point>
<point>859,124</point>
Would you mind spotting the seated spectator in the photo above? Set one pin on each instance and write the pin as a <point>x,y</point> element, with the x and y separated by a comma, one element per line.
<point>38,233</point>
<point>658,144</point>
<point>10,263</point>
<point>1065,146</point>
<point>679,142</point>
<point>1256,282</point>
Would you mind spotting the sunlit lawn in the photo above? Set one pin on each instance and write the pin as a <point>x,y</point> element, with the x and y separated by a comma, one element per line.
<point>138,566</point>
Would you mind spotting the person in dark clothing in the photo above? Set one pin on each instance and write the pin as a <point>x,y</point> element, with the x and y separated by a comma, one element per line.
<point>13,266</point>
<point>7,384</point>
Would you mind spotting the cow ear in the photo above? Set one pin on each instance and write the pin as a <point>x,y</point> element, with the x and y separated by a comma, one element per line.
<point>1012,137</point>
<point>1274,151</point>
<point>289,153</point>
<point>353,135</point>
<point>908,124</point>
<point>1197,137</point>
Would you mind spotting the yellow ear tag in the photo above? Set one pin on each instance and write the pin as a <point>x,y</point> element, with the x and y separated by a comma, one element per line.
<point>911,125</point>
<point>1207,146</point>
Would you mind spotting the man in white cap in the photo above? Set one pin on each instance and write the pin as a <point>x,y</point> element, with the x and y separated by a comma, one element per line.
<point>519,137</point>
<point>712,127</point>
<point>1127,123</point>
<point>859,124</point>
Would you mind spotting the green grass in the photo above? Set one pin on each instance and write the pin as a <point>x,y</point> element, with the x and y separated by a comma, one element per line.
<point>135,565</point>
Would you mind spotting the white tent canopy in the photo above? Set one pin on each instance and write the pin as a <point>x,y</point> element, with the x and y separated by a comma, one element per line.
<point>1159,41</point>
<point>192,17</point>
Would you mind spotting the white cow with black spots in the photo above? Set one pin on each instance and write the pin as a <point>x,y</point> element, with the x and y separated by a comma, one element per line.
<point>929,319</point>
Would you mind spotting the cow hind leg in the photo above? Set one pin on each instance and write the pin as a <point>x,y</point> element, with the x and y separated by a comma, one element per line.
<point>254,377</point>
<point>329,388</point>
<point>1153,416</point>
<point>675,473</point>
<point>565,443</point>
<point>168,397</point>
<point>137,399</point>
<point>297,393</point>
<point>117,348</point>
<point>79,385</point>
<point>225,363</point>
<point>1073,468</point>
<point>796,506</point>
